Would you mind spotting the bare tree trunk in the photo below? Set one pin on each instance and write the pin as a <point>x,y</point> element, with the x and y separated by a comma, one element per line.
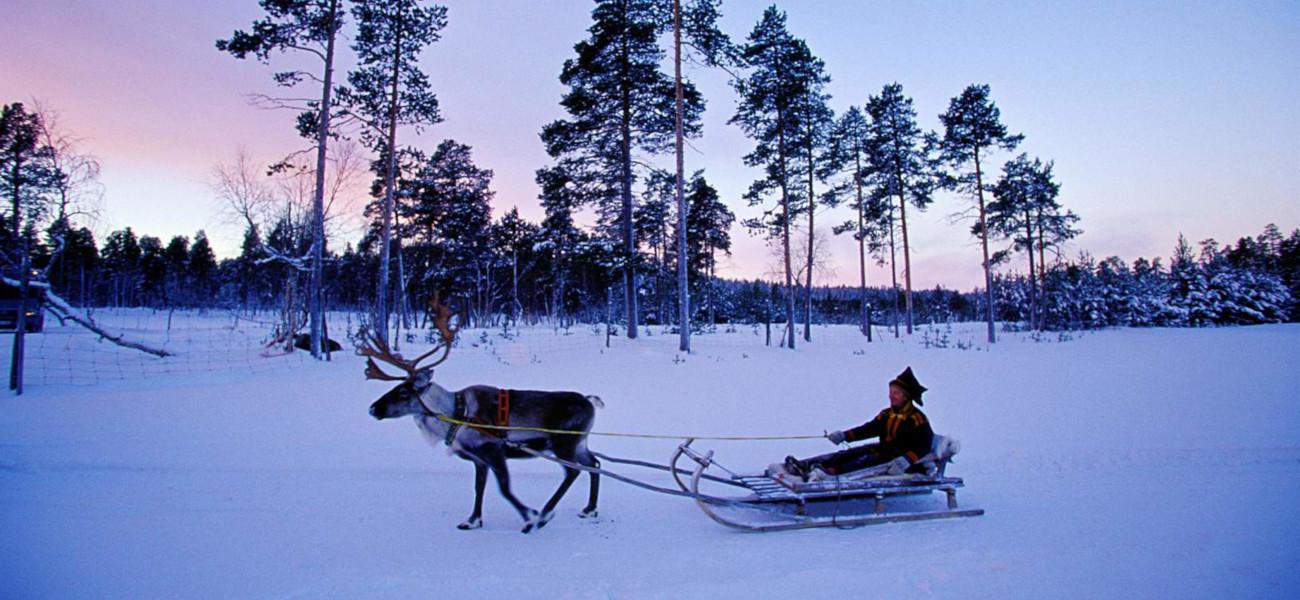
<point>984,239</point>
<point>20,335</point>
<point>315,302</point>
<point>24,262</point>
<point>785,237</point>
<point>683,287</point>
<point>862,247</point>
<point>1033,274</point>
<point>893,268</point>
<point>1042,270</point>
<point>390,180</point>
<point>515,307</point>
<point>808,276</point>
<point>400,297</point>
<point>629,228</point>
<point>907,258</point>
<point>713,279</point>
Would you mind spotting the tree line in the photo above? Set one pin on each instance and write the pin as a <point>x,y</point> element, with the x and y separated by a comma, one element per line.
<point>653,249</point>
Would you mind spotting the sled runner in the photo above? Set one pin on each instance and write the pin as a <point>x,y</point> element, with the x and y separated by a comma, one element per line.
<point>779,501</point>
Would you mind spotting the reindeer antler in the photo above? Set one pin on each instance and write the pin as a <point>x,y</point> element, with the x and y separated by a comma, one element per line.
<point>374,347</point>
<point>441,321</point>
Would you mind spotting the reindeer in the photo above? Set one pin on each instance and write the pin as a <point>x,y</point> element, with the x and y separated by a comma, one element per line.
<point>420,397</point>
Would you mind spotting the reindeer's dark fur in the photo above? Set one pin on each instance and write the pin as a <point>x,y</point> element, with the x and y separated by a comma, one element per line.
<point>488,449</point>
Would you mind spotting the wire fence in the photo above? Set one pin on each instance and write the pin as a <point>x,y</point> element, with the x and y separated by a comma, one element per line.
<point>199,342</point>
<point>236,342</point>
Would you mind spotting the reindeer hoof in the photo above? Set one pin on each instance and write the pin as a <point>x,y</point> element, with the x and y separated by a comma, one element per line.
<point>469,524</point>
<point>589,513</point>
<point>532,521</point>
<point>544,519</point>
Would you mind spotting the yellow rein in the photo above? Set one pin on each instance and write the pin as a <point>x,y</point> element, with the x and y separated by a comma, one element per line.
<point>628,435</point>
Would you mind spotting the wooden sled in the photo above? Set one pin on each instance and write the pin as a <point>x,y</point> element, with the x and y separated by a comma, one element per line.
<point>778,502</point>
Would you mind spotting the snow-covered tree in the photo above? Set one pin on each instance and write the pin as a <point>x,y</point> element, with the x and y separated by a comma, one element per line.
<point>446,213</point>
<point>708,232</point>
<point>1025,210</point>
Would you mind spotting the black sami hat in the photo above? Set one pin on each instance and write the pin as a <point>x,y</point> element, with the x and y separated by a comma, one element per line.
<point>908,382</point>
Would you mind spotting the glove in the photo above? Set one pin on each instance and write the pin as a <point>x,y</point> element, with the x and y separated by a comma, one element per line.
<point>836,437</point>
<point>898,466</point>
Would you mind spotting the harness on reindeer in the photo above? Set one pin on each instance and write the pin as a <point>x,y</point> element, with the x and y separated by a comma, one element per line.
<point>497,415</point>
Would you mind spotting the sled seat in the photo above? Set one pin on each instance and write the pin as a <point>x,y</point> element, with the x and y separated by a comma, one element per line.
<point>869,481</point>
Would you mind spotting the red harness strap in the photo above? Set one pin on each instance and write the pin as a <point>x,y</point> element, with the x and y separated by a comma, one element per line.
<point>503,408</point>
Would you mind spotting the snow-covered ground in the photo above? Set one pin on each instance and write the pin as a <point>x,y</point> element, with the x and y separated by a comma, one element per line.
<point>1128,463</point>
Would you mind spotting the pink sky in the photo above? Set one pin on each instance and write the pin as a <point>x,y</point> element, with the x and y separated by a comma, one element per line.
<point>1161,117</point>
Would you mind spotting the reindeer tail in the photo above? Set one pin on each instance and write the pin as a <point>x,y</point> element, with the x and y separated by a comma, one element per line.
<point>596,401</point>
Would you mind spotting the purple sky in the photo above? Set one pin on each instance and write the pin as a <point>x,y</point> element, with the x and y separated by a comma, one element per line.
<point>1161,117</point>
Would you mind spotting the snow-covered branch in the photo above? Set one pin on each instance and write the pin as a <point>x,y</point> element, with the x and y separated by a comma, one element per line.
<point>64,311</point>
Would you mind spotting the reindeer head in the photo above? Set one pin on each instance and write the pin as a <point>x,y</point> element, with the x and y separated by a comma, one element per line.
<point>405,399</point>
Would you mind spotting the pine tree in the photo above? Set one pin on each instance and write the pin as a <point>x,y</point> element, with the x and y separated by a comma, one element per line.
<point>559,236</point>
<point>450,212</point>
<point>816,122</point>
<point>1151,305</point>
<point>619,104</point>
<point>715,49</point>
<point>850,151</point>
<point>1288,269</point>
<point>708,232</point>
<point>652,229</point>
<point>121,259</point>
<point>77,263</point>
<point>902,155</point>
<point>251,287</point>
<point>202,267</point>
<point>973,126</point>
<point>388,89</point>
<point>153,271</point>
<point>1025,210</point>
<point>176,261</point>
<point>516,240</point>
<point>27,170</point>
<point>307,27</point>
<point>769,113</point>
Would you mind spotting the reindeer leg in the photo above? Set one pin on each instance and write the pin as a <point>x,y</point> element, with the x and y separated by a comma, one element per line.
<point>548,511</point>
<point>590,510</point>
<point>475,519</point>
<point>496,460</point>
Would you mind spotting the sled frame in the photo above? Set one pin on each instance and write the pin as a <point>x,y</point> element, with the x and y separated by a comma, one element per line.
<point>788,505</point>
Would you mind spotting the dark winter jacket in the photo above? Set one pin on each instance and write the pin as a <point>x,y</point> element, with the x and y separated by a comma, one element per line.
<point>904,432</point>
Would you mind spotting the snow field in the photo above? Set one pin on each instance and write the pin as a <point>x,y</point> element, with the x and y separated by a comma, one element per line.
<point>1131,463</point>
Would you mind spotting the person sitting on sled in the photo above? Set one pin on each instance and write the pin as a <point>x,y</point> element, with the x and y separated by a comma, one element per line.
<point>904,432</point>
